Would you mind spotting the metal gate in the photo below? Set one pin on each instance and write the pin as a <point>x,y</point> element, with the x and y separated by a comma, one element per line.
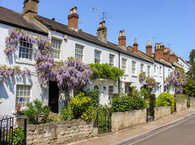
<point>6,130</point>
<point>103,120</point>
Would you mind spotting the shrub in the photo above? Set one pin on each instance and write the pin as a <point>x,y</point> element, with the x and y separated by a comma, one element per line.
<point>94,95</point>
<point>36,112</point>
<point>189,87</point>
<point>127,103</point>
<point>180,97</point>
<point>66,114</point>
<point>18,136</point>
<point>165,99</point>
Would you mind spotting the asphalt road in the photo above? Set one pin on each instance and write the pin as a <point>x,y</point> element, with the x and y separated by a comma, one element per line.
<point>182,133</point>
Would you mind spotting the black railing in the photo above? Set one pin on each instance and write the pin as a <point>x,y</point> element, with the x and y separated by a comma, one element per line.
<point>6,130</point>
<point>103,120</point>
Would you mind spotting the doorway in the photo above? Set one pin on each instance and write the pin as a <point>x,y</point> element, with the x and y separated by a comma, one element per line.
<point>53,96</point>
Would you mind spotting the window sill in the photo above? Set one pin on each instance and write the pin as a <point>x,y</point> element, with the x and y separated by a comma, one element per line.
<point>134,75</point>
<point>23,61</point>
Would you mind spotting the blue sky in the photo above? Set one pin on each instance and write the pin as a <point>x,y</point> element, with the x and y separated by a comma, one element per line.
<point>169,21</point>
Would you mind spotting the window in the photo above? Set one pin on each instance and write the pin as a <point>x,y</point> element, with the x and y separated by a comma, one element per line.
<point>160,70</point>
<point>134,67</point>
<point>127,88</point>
<point>148,70</point>
<point>22,95</point>
<point>155,69</point>
<point>25,50</point>
<point>97,56</point>
<point>111,60</point>
<point>124,65</point>
<point>111,91</point>
<point>142,68</point>
<point>55,51</point>
<point>79,52</point>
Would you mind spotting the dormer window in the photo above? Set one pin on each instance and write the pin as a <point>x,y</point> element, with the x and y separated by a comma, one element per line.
<point>25,50</point>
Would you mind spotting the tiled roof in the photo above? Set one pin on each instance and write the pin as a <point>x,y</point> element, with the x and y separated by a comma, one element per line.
<point>61,28</point>
<point>15,19</point>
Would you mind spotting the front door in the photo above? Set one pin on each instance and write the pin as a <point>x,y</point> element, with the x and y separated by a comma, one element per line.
<point>53,96</point>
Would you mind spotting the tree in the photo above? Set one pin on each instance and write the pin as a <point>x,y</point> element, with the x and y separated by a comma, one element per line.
<point>191,72</point>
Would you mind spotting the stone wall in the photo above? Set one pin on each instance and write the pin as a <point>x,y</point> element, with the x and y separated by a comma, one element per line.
<point>121,120</point>
<point>162,111</point>
<point>192,101</point>
<point>59,132</point>
<point>181,105</point>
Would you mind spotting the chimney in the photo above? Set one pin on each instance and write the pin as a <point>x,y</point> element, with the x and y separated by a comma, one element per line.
<point>149,48</point>
<point>30,8</point>
<point>73,19</point>
<point>166,54</point>
<point>122,39</point>
<point>135,46</point>
<point>159,48</point>
<point>102,32</point>
<point>172,57</point>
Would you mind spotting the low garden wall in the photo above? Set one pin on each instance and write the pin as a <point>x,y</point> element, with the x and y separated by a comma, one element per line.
<point>181,105</point>
<point>162,111</point>
<point>60,132</point>
<point>121,120</point>
<point>192,101</point>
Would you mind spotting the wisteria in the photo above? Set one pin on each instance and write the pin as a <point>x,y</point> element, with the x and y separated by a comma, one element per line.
<point>14,36</point>
<point>8,72</point>
<point>177,78</point>
<point>151,82</point>
<point>142,76</point>
<point>71,73</point>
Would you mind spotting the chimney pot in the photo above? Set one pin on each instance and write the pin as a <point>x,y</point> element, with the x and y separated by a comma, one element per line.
<point>122,39</point>
<point>102,32</point>
<point>73,19</point>
<point>149,48</point>
<point>135,46</point>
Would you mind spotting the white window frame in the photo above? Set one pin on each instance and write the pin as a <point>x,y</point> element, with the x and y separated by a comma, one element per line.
<point>79,48</point>
<point>23,94</point>
<point>55,49</point>
<point>25,48</point>
<point>141,68</point>
<point>97,59</point>
<point>111,59</point>
<point>124,65</point>
<point>134,68</point>
<point>149,70</point>
<point>110,91</point>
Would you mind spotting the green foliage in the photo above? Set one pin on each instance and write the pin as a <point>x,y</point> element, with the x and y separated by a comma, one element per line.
<point>165,99</point>
<point>180,97</point>
<point>66,114</point>
<point>126,103</point>
<point>105,71</point>
<point>80,107</point>
<point>189,87</point>
<point>133,91</point>
<point>144,93</point>
<point>37,113</point>
<point>18,136</point>
<point>191,72</point>
<point>152,104</point>
<point>94,95</point>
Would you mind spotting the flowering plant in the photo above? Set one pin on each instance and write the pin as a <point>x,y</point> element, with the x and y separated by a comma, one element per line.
<point>142,77</point>
<point>151,82</point>
<point>7,72</point>
<point>176,78</point>
<point>14,36</point>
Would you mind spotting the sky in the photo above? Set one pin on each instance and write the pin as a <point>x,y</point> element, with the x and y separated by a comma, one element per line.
<point>171,22</point>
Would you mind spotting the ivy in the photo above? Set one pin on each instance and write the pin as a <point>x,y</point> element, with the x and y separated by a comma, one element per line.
<point>105,71</point>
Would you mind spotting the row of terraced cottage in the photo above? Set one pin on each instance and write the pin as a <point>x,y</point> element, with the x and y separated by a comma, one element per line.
<point>67,41</point>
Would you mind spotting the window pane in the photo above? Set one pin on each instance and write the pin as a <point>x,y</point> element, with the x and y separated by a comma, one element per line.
<point>25,50</point>
<point>23,94</point>
<point>55,43</point>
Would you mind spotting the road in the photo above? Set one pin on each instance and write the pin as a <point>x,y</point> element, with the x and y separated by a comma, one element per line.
<point>182,133</point>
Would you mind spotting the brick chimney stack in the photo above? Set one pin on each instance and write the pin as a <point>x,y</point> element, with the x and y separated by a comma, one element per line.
<point>73,19</point>
<point>30,9</point>
<point>159,48</point>
<point>172,57</point>
<point>122,39</point>
<point>149,48</point>
<point>135,46</point>
<point>102,32</point>
<point>166,54</point>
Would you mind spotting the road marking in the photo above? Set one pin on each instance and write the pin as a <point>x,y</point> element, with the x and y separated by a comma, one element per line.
<point>159,132</point>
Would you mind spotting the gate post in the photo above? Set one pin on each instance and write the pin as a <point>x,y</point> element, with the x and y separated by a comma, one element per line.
<point>25,131</point>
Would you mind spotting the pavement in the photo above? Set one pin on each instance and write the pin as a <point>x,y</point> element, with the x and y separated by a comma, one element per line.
<point>126,135</point>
